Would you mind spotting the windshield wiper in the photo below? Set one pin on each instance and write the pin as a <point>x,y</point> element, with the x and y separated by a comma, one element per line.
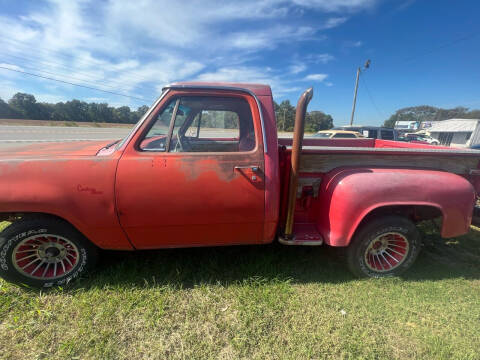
<point>111,144</point>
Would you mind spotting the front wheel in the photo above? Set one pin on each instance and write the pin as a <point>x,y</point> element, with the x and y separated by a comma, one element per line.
<point>384,247</point>
<point>44,252</point>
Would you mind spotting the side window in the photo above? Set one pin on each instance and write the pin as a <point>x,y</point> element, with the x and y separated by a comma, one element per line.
<point>386,134</point>
<point>372,134</point>
<point>343,135</point>
<point>213,124</point>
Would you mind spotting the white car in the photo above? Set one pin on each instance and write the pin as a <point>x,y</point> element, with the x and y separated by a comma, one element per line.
<point>422,137</point>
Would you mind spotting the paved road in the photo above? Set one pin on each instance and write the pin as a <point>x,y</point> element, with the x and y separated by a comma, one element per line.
<point>58,133</point>
<point>11,136</point>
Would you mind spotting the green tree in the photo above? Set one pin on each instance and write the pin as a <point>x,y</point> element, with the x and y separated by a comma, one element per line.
<point>136,115</point>
<point>25,104</point>
<point>122,114</point>
<point>6,111</point>
<point>285,114</point>
<point>318,120</point>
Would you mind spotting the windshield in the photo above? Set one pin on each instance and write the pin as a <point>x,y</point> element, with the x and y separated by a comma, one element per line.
<point>323,135</point>
<point>140,122</point>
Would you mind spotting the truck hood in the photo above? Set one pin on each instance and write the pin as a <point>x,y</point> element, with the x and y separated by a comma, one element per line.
<point>47,149</point>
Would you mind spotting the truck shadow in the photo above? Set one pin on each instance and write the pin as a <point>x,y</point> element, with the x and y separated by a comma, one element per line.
<point>186,268</point>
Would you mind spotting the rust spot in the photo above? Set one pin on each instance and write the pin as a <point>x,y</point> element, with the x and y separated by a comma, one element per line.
<point>194,167</point>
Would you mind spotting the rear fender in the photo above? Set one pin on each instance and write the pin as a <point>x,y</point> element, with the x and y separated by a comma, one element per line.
<point>349,195</point>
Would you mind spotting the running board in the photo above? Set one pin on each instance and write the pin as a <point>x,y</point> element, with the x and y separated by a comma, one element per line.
<point>300,242</point>
<point>303,235</point>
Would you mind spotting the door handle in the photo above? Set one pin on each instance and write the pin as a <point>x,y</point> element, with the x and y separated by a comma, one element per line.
<point>254,168</point>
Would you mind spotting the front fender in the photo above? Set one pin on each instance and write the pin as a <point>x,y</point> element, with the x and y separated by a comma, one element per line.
<point>79,190</point>
<point>348,195</point>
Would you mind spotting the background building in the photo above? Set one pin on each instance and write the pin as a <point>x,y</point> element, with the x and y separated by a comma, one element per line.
<point>404,126</point>
<point>456,132</point>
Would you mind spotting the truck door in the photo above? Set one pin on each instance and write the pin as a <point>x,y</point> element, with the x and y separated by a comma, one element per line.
<point>193,174</point>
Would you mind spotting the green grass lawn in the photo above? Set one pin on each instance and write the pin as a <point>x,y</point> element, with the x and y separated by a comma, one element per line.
<point>255,302</point>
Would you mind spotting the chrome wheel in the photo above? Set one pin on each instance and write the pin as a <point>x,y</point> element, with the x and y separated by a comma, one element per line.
<point>45,256</point>
<point>386,252</point>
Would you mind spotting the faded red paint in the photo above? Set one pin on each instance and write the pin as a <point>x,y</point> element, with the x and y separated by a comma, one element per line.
<point>348,195</point>
<point>124,198</point>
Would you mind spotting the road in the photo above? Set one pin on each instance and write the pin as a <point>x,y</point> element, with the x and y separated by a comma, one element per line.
<point>12,136</point>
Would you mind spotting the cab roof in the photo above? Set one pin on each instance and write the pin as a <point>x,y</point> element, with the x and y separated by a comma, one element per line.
<point>257,89</point>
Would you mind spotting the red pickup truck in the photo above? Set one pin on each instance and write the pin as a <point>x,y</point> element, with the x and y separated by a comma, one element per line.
<point>204,167</point>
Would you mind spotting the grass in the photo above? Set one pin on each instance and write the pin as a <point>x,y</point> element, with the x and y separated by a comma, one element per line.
<point>263,302</point>
<point>70,124</point>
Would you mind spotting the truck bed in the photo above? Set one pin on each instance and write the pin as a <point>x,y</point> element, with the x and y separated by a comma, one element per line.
<point>323,155</point>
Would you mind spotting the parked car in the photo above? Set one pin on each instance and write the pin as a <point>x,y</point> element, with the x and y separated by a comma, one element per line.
<point>372,132</point>
<point>421,138</point>
<point>204,167</point>
<point>337,134</point>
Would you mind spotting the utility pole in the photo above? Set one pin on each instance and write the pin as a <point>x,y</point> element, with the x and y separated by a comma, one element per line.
<point>359,70</point>
<point>284,120</point>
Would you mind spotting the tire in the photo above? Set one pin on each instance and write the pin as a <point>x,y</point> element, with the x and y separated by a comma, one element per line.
<point>384,247</point>
<point>43,252</point>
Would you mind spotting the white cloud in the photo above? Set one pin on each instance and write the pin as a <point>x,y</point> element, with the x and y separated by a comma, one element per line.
<point>352,44</point>
<point>297,68</point>
<point>280,85</point>
<point>51,98</point>
<point>316,77</point>
<point>269,38</point>
<point>334,22</point>
<point>185,23</point>
<point>319,58</point>
<point>137,47</point>
<point>337,5</point>
<point>10,66</point>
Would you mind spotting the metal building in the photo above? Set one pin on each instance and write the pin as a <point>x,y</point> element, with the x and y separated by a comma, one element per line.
<point>456,132</point>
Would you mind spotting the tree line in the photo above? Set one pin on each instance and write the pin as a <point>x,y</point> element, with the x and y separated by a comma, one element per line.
<point>25,106</point>
<point>315,120</point>
<point>430,113</point>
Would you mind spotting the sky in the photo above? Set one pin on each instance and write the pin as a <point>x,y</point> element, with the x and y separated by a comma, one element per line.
<point>421,52</point>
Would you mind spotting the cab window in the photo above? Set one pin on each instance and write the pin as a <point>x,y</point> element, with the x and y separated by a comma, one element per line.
<point>204,124</point>
<point>344,135</point>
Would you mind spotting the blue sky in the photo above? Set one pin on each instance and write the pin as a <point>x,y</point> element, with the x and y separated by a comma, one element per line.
<point>422,52</point>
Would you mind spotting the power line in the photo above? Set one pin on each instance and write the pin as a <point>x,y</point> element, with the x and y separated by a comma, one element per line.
<point>64,76</point>
<point>442,46</point>
<point>51,64</point>
<point>71,58</point>
<point>114,83</point>
<point>70,83</point>
<point>56,53</point>
<point>371,98</point>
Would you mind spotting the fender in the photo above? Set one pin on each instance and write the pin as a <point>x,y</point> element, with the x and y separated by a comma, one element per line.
<point>348,195</point>
<point>77,189</point>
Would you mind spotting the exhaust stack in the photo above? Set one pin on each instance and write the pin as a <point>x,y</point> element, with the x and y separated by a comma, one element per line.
<point>298,133</point>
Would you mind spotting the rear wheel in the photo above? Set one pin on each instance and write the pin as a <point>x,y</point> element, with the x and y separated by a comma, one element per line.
<point>44,252</point>
<point>384,247</point>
